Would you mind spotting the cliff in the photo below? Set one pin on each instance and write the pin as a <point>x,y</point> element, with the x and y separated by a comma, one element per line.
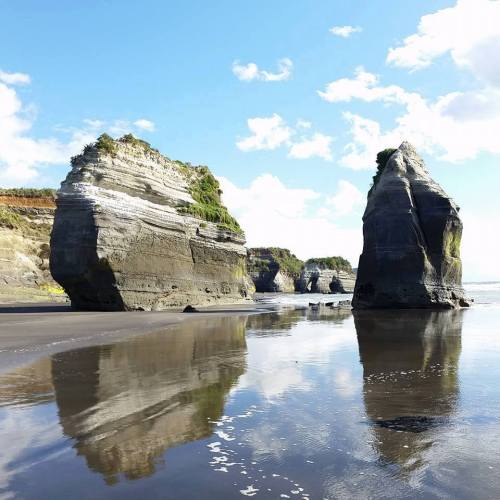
<point>136,230</point>
<point>327,275</point>
<point>26,217</point>
<point>273,269</point>
<point>412,233</point>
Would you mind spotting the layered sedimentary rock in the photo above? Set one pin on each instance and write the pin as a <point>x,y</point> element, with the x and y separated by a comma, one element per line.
<point>273,269</point>
<point>135,230</point>
<point>412,233</point>
<point>26,217</point>
<point>317,277</point>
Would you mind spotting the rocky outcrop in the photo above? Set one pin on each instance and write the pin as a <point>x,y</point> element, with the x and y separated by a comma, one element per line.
<point>273,269</point>
<point>135,230</point>
<point>319,277</point>
<point>412,233</point>
<point>25,223</point>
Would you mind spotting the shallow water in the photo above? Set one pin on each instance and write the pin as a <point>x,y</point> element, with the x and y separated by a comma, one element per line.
<point>294,404</point>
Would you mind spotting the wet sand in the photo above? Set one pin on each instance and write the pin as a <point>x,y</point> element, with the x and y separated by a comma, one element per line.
<point>28,331</point>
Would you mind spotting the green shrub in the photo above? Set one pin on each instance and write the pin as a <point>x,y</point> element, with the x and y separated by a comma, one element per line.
<point>134,141</point>
<point>29,192</point>
<point>106,144</point>
<point>11,220</point>
<point>336,263</point>
<point>282,258</point>
<point>382,159</point>
<point>205,190</point>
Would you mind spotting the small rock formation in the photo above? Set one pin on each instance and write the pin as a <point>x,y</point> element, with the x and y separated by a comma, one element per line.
<point>273,269</point>
<point>26,217</point>
<point>134,230</point>
<point>412,233</point>
<point>326,275</point>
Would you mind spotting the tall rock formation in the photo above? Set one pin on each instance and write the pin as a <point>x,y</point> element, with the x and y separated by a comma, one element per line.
<point>326,275</point>
<point>134,230</point>
<point>412,233</point>
<point>273,269</point>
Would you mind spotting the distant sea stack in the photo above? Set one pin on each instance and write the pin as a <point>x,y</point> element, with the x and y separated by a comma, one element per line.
<point>134,230</point>
<point>273,269</point>
<point>327,275</point>
<point>412,234</point>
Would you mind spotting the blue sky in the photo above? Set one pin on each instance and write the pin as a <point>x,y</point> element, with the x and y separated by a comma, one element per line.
<point>177,74</point>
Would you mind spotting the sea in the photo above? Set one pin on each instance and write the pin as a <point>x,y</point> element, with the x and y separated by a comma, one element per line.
<point>293,403</point>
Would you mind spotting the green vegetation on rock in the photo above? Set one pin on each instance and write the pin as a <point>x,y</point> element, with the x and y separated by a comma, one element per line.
<point>288,263</point>
<point>28,193</point>
<point>130,139</point>
<point>11,219</point>
<point>106,144</point>
<point>205,190</point>
<point>382,159</point>
<point>337,263</point>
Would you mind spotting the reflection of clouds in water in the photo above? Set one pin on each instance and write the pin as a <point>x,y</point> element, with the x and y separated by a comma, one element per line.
<point>277,364</point>
<point>23,430</point>
<point>346,385</point>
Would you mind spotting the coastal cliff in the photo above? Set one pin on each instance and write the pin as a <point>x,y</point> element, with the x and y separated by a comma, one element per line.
<point>26,217</point>
<point>273,269</point>
<point>326,275</point>
<point>412,234</point>
<point>134,230</point>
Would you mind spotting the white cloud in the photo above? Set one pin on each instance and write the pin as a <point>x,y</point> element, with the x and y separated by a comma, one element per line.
<point>468,31</point>
<point>364,87</point>
<point>273,214</point>
<point>347,198</point>
<point>21,155</point>
<point>456,126</point>
<point>480,246</point>
<point>268,133</point>
<point>345,31</point>
<point>273,132</point>
<point>250,72</point>
<point>14,78</point>
<point>144,124</point>
<point>318,145</point>
<point>303,124</point>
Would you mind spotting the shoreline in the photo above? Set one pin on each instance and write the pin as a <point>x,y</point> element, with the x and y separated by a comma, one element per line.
<point>32,330</point>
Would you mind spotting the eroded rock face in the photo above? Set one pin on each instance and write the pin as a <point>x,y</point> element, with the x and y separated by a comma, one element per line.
<point>317,279</point>
<point>123,237</point>
<point>25,225</point>
<point>412,234</point>
<point>273,269</point>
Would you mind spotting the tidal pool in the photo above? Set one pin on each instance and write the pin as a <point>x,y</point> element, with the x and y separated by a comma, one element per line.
<point>295,404</point>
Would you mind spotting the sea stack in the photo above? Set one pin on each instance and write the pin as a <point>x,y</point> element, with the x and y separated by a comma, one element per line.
<point>134,230</point>
<point>273,269</point>
<point>412,234</point>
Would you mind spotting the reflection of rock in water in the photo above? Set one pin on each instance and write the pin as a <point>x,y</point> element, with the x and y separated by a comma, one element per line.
<point>410,380</point>
<point>30,384</point>
<point>126,404</point>
<point>274,322</point>
<point>334,315</point>
<point>284,320</point>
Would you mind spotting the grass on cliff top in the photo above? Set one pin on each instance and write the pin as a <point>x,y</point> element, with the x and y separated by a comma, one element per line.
<point>382,160</point>
<point>107,145</point>
<point>28,193</point>
<point>205,190</point>
<point>286,261</point>
<point>336,263</point>
<point>11,220</point>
